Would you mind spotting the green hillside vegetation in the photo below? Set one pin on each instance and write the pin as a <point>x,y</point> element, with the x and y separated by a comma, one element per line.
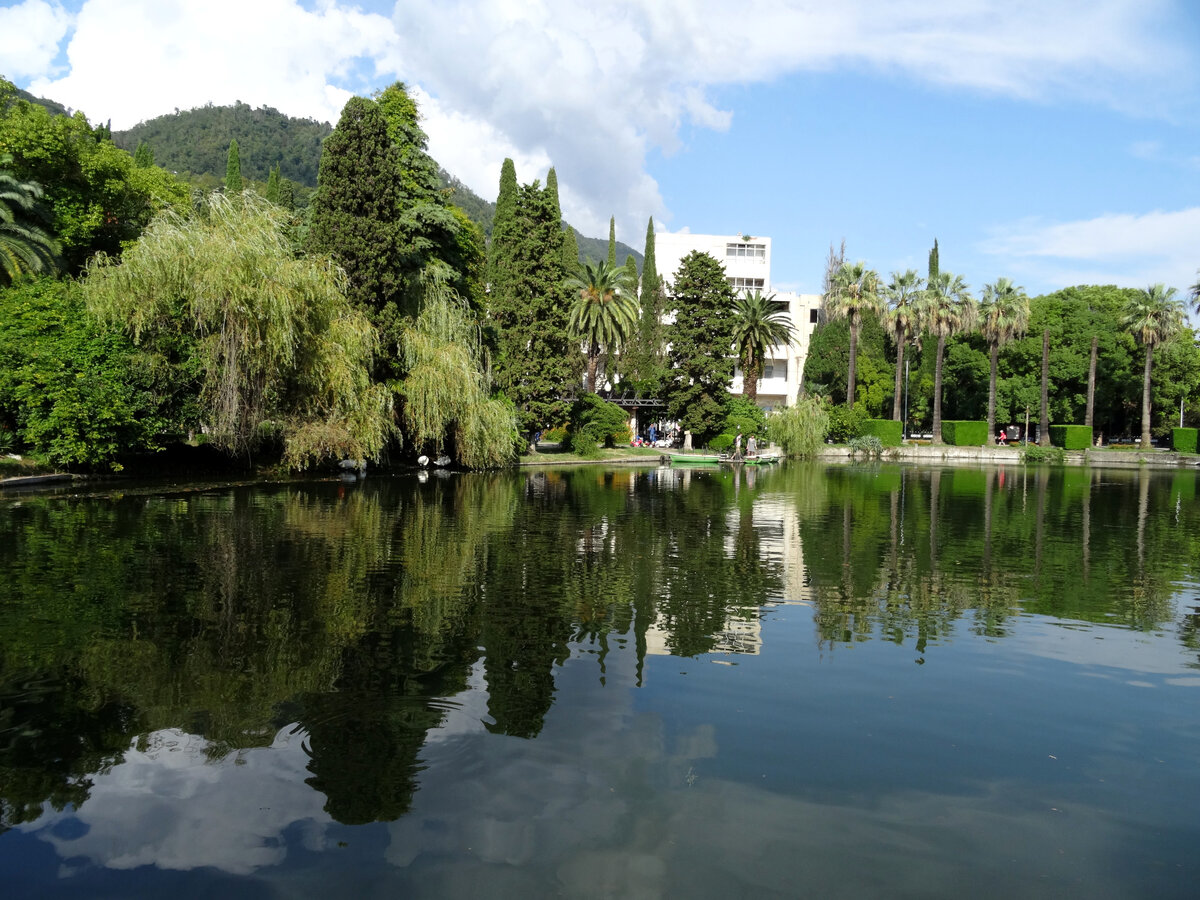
<point>194,144</point>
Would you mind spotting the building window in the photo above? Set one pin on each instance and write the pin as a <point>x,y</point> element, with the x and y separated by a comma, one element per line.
<point>812,315</point>
<point>753,251</point>
<point>775,368</point>
<point>746,284</point>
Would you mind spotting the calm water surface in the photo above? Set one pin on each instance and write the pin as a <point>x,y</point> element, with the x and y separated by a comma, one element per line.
<point>834,682</point>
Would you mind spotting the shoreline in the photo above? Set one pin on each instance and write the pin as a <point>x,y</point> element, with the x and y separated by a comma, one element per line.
<point>944,454</point>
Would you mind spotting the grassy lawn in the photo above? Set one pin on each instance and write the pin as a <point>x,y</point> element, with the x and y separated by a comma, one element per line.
<point>16,468</point>
<point>557,454</point>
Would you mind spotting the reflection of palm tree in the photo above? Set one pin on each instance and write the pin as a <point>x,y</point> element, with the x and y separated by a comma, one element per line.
<point>1153,316</point>
<point>946,309</point>
<point>1004,315</point>
<point>901,318</point>
<point>25,249</point>
<point>853,290</point>
<point>604,312</point>
<point>758,324</point>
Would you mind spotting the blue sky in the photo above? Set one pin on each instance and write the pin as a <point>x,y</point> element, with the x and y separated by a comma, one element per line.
<point>1053,142</point>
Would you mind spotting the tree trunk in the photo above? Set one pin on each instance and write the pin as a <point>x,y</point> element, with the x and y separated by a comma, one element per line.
<point>1044,422</point>
<point>899,368</point>
<point>1091,395</point>
<point>1146,400</point>
<point>937,390</point>
<point>991,417</point>
<point>850,375</point>
<point>750,379</point>
<point>593,362</point>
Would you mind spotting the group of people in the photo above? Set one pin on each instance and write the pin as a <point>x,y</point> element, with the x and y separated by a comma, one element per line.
<point>751,446</point>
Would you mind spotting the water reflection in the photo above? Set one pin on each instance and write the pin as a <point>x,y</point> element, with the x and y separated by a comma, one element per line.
<point>365,643</point>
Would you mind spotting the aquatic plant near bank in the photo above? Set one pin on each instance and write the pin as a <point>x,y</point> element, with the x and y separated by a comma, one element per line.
<point>799,429</point>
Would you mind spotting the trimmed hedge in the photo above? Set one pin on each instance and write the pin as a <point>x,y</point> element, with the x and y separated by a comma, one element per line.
<point>1071,437</point>
<point>965,434</point>
<point>1184,439</point>
<point>889,431</point>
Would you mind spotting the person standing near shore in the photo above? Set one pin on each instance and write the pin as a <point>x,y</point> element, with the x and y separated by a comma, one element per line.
<point>752,446</point>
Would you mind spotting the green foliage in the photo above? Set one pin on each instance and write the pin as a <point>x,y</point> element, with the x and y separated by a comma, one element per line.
<point>1034,453</point>
<point>612,241</point>
<point>744,415</point>
<point>98,199</point>
<point>445,389</point>
<point>72,391</point>
<point>965,433</point>
<point>570,254</point>
<point>1183,440</point>
<point>800,429</point>
<point>272,192</point>
<point>846,422</point>
<point>828,359</point>
<point>700,340</point>
<point>1071,437</point>
<point>722,442</point>
<point>25,248</point>
<point>277,351</point>
<point>889,431</point>
<point>758,325</point>
<point>233,169</point>
<point>595,422</point>
<point>143,157</point>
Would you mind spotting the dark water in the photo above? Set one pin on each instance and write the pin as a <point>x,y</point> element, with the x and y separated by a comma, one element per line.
<point>833,682</point>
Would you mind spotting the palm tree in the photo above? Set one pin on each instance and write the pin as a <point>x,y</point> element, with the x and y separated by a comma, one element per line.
<point>1153,316</point>
<point>946,308</point>
<point>901,318</point>
<point>25,249</point>
<point>1194,291</point>
<point>853,290</point>
<point>758,324</point>
<point>1003,315</point>
<point>604,313</point>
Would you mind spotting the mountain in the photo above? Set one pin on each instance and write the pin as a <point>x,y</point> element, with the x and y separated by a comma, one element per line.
<point>195,144</point>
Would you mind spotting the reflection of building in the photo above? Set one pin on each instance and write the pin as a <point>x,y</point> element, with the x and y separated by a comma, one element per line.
<point>747,261</point>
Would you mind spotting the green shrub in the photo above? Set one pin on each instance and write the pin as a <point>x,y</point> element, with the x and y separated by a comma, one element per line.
<point>603,423</point>
<point>889,431</point>
<point>965,434</point>
<point>1071,437</point>
<point>868,445</point>
<point>555,435</point>
<point>1035,453</point>
<point>846,423</point>
<point>1183,440</point>
<point>721,442</point>
<point>743,415</point>
<point>584,445</point>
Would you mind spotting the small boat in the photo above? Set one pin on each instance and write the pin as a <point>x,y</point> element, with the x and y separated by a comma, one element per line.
<point>695,459</point>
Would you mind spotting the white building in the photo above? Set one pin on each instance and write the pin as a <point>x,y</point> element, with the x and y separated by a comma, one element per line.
<point>747,261</point>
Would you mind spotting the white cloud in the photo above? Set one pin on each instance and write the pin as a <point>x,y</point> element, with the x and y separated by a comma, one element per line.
<point>135,59</point>
<point>33,30</point>
<point>1126,249</point>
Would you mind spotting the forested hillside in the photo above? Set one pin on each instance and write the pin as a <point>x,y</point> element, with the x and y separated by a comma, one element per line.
<point>195,144</point>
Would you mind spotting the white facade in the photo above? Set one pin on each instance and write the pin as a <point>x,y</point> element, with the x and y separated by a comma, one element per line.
<point>747,262</point>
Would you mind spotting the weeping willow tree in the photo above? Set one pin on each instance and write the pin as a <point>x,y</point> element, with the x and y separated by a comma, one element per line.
<point>273,347</point>
<point>446,389</point>
<point>799,429</point>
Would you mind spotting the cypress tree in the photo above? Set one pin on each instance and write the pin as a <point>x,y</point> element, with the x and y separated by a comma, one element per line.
<point>537,363</point>
<point>700,339</point>
<point>287,194</point>
<point>143,157</point>
<point>273,185</point>
<point>233,170</point>
<point>354,212</point>
<point>499,249</point>
<point>631,268</point>
<point>570,251</point>
<point>933,263</point>
<point>552,190</point>
<point>650,280</point>
<point>612,241</point>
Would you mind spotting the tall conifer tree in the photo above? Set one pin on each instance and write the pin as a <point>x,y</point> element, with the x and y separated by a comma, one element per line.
<point>233,170</point>
<point>933,264</point>
<point>612,241</point>
<point>650,279</point>
<point>273,185</point>
<point>143,157</point>
<point>552,189</point>
<point>500,248</point>
<point>287,193</point>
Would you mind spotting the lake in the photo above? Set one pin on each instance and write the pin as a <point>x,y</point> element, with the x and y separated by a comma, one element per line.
<point>811,680</point>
